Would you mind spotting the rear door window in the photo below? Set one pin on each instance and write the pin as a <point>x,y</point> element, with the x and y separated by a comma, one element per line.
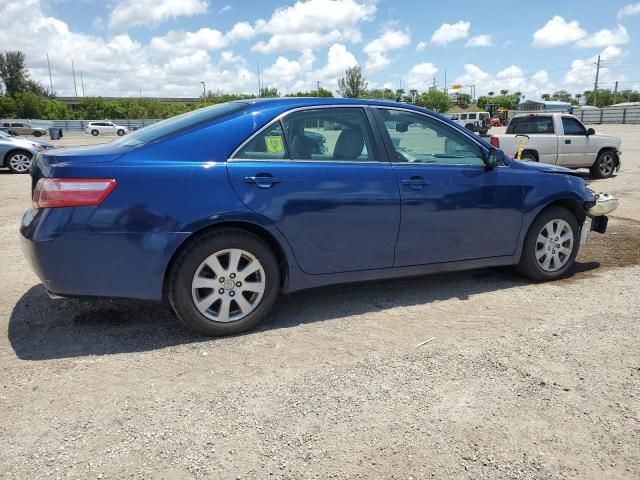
<point>269,144</point>
<point>531,125</point>
<point>329,134</point>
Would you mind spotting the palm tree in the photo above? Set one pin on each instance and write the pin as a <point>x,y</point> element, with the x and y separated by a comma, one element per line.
<point>491,94</point>
<point>504,92</point>
<point>545,96</point>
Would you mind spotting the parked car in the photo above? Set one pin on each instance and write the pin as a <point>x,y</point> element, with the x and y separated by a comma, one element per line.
<point>21,128</point>
<point>16,153</point>
<point>217,210</point>
<point>479,122</point>
<point>105,128</point>
<point>561,139</point>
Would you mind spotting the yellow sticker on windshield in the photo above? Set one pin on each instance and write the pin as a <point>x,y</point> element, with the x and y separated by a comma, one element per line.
<point>274,144</point>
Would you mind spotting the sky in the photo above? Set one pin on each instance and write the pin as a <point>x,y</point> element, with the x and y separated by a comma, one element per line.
<point>166,48</point>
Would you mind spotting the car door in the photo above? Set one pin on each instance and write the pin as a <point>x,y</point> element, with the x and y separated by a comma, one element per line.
<point>452,207</point>
<point>322,178</point>
<point>576,147</point>
<point>18,128</point>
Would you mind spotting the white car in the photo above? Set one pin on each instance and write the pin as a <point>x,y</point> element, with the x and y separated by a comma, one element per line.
<point>479,122</point>
<point>105,128</point>
<point>560,139</point>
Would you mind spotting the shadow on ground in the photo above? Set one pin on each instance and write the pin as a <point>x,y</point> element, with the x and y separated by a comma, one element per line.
<point>41,329</point>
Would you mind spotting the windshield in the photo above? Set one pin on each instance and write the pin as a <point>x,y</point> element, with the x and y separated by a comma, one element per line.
<point>178,123</point>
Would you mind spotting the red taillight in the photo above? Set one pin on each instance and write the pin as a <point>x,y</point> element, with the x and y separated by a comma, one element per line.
<point>71,192</point>
<point>495,141</point>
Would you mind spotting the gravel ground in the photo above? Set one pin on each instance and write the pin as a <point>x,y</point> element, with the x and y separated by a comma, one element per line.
<point>519,381</point>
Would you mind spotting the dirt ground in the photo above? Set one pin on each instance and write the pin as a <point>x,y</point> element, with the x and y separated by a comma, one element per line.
<point>520,380</point>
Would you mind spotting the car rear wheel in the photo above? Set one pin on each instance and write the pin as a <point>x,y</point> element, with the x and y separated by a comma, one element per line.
<point>37,134</point>
<point>95,132</point>
<point>551,245</point>
<point>605,165</point>
<point>528,157</point>
<point>224,283</point>
<point>19,162</point>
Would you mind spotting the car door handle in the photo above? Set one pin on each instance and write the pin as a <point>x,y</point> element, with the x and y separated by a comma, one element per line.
<point>415,182</point>
<point>262,181</point>
<point>567,142</point>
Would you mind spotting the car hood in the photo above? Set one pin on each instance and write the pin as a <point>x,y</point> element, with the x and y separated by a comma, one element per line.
<point>20,142</point>
<point>542,167</point>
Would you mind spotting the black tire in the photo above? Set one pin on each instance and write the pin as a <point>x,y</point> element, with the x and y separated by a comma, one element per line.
<point>528,157</point>
<point>470,126</point>
<point>528,265</point>
<point>95,133</point>
<point>605,165</point>
<point>37,134</point>
<point>19,167</point>
<point>187,263</point>
<point>120,132</point>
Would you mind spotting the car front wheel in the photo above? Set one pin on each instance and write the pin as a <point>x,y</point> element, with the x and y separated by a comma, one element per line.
<point>223,283</point>
<point>120,132</point>
<point>95,133</point>
<point>37,134</point>
<point>605,165</point>
<point>19,162</point>
<point>551,245</point>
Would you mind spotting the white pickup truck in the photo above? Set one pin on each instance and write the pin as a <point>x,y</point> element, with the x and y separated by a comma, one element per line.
<point>561,139</point>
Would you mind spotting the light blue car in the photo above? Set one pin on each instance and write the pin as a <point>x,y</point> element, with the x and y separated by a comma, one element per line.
<point>16,153</point>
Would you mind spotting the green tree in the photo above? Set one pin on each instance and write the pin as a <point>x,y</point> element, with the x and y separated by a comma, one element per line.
<point>491,94</point>
<point>464,99</point>
<point>504,92</point>
<point>28,105</point>
<point>13,73</point>
<point>321,92</point>
<point>399,94</point>
<point>545,96</point>
<point>561,96</point>
<point>55,110</point>
<point>269,92</point>
<point>7,106</point>
<point>436,100</point>
<point>353,84</point>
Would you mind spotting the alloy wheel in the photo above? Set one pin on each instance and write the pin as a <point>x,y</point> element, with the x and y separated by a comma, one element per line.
<point>20,163</point>
<point>554,245</point>
<point>606,164</point>
<point>228,285</point>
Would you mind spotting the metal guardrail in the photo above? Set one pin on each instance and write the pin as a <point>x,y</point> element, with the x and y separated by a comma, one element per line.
<point>629,115</point>
<point>79,125</point>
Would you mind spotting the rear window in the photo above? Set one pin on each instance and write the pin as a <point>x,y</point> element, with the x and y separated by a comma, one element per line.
<point>179,123</point>
<point>531,125</point>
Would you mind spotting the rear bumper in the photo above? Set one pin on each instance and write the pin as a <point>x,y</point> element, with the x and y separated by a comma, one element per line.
<point>73,262</point>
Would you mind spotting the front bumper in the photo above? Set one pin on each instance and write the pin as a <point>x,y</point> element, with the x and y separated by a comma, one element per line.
<point>604,203</point>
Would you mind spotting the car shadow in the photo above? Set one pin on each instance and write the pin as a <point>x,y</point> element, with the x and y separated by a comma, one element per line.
<point>42,329</point>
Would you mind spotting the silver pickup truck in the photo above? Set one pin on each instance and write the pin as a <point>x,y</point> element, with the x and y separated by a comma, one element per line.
<point>561,139</point>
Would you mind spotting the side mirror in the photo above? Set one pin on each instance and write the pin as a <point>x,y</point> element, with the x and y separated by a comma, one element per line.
<point>402,127</point>
<point>591,131</point>
<point>491,160</point>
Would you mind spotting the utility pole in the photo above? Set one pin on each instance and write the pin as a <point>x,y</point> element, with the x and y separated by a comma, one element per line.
<point>75,87</point>
<point>204,92</point>
<point>615,94</point>
<point>445,80</point>
<point>259,82</point>
<point>595,86</point>
<point>82,82</point>
<point>318,88</point>
<point>50,81</point>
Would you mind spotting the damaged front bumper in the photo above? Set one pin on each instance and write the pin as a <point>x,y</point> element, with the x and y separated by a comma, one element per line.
<point>597,219</point>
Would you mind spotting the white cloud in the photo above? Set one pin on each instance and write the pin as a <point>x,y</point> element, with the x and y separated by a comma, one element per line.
<point>116,66</point>
<point>339,58</point>
<point>224,9</point>
<point>313,23</point>
<point>377,49</point>
<point>421,46</point>
<point>241,31</point>
<point>480,41</point>
<point>604,38</point>
<point>421,75</point>
<point>513,78</point>
<point>285,71</point>
<point>557,32</point>
<point>449,32</point>
<point>187,42</point>
<point>583,71</point>
<point>542,82</point>
<point>127,14</point>
<point>628,10</point>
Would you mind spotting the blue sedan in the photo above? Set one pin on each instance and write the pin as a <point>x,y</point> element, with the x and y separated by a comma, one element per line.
<point>218,210</point>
